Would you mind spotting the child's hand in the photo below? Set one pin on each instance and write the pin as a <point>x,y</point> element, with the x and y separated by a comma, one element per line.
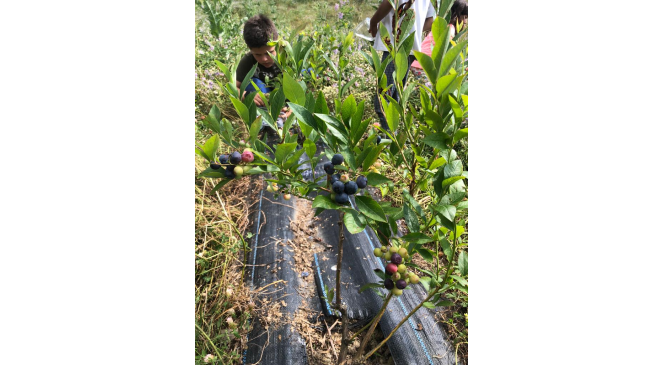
<point>258,101</point>
<point>373,28</point>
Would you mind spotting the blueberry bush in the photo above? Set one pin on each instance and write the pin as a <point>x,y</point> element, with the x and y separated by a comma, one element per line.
<point>414,157</point>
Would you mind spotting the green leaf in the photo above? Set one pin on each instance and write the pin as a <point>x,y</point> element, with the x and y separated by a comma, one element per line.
<point>407,43</point>
<point>277,99</point>
<point>359,129</point>
<point>454,168</point>
<point>447,214</point>
<point>463,263</point>
<point>418,238</point>
<point>458,114</point>
<point>212,173</point>
<point>401,64</point>
<point>426,282</point>
<point>304,116</point>
<point>460,280</point>
<point>444,303</point>
<point>334,67</point>
<point>391,114</point>
<point>450,56</point>
<point>294,159</point>
<point>241,109</point>
<point>293,91</point>
<point>429,305</point>
<point>449,181</point>
<point>348,108</point>
<point>411,219</point>
<point>441,38</point>
<point>460,134</point>
<point>413,202</point>
<point>427,65</point>
<point>264,157</point>
<point>310,148</point>
<point>443,85</point>
<point>267,118</point>
<point>447,248</point>
<point>372,156</point>
<point>437,140</point>
<point>255,128</point>
<point>324,201</point>
<point>437,163</point>
<point>346,86</point>
<point>202,154</point>
<point>247,78</point>
<point>220,185</point>
<point>369,286</point>
<point>376,61</point>
<point>211,146</point>
<point>321,104</point>
<point>223,69</point>
<point>370,208</point>
<point>349,158</point>
<point>354,222</point>
<point>379,273</point>
<point>386,37</point>
<point>284,150</point>
<point>425,253</point>
<point>375,179</point>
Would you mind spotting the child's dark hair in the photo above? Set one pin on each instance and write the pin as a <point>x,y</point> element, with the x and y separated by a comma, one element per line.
<point>459,11</point>
<point>259,30</point>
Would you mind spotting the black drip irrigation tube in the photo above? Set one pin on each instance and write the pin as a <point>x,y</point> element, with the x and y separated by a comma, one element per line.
<point>421,340</point>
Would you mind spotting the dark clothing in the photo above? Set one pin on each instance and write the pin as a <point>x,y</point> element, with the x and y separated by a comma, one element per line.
<point>247,62</point>
<point>389,70</point>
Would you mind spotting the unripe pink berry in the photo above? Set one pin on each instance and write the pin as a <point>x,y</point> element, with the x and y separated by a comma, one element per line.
<point>247,156</point>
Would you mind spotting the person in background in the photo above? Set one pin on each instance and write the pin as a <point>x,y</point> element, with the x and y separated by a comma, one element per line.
<point>258,31</point>
<point>385,14</point>
<point>459,15</point>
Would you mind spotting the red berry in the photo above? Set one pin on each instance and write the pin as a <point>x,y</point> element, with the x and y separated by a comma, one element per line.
<point>390,269</point>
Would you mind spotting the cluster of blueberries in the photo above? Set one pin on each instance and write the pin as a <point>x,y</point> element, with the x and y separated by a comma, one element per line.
<point>232,161</point>
<point>399,275</point>
<point>342,186</point>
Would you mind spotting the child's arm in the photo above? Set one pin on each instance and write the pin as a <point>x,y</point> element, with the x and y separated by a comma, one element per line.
<point>427,26</point>
<point>383,9</point>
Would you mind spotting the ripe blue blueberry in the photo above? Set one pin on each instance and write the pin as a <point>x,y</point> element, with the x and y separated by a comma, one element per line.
<point>215,166</point>
<point>378,139</point>
<point>338,187</point>
<point>361,182</point>
<point>235,158</point>
<point>401,284</point>
<point>350,188</point>
<point>334,178</point>
<point>329,168</point>
<point>223,159</point>
<point>337,159</point>
<point>341,198</point>
<point>230,174</point>
<point>389,284</point>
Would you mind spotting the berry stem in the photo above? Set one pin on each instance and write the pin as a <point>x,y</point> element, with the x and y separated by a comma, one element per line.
<point>374,323</point>
<point>399,325</point>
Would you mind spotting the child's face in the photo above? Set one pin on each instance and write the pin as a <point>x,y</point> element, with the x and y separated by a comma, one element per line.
<point>261,55</point>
